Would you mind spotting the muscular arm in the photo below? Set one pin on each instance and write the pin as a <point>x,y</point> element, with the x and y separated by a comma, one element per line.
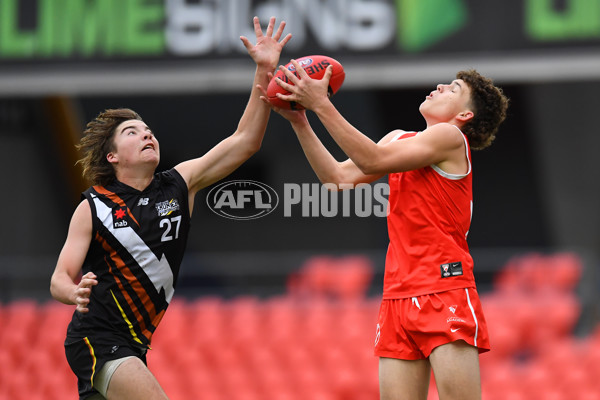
<point>70,261</point>
<point>327,168</point>
<point>440,144</point>
<point>233,151</point>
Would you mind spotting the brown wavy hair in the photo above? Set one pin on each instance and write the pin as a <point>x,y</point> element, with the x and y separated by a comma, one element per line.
<point>489,108</point>
<point>97,142</point>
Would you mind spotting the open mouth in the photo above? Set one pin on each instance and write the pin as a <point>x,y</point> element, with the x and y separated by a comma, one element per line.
<point>148,147</point>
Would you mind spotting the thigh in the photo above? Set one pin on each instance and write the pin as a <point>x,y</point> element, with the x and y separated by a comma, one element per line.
<point>403,379</point>
<point>104,375</point>
<point>132,380</point>
<point>456,370</point>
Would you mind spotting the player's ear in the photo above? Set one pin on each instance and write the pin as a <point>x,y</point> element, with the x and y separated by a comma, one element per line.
<point>112,158</point>
<point>465,116</point>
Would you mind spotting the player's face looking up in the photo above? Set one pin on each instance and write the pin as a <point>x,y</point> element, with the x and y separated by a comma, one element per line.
<point>134,143</point>
<point>446,102</point>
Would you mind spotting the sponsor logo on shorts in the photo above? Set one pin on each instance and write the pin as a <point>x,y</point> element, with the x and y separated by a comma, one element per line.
<point>455,319</point>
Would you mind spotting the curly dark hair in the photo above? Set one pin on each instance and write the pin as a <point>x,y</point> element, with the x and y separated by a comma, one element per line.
<point>97,142</point>
<point>489,108</point>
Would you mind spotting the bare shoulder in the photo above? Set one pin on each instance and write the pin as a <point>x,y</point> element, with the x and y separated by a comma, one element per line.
<point>444,129</point>
<point>444,134</point>
<point>391,135</point>
<point>83,208</point>
<point>185,169</point>
<point>82,216</point>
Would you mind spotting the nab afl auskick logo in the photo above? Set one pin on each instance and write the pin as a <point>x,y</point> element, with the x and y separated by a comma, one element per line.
<point>242,199</point>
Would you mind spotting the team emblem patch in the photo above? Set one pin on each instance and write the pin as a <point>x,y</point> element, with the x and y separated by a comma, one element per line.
<point>451,269</point>
<point>165,208</point>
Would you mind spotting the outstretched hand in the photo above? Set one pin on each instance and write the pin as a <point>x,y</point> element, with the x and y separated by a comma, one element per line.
<point>268,47</point>
<point>310,93</point>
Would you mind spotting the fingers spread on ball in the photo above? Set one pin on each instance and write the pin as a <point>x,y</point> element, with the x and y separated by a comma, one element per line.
<point>315,67</point>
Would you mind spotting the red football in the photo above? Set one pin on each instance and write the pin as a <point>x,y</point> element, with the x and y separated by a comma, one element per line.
<point>315,67</point>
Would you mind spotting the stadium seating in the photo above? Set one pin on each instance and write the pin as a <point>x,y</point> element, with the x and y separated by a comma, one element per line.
<point>315,342</point>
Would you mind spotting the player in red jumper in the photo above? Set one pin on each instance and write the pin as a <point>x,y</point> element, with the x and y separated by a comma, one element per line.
<point>430,316</point>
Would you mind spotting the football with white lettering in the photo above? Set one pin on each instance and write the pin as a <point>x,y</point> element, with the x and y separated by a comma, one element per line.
<point>315,67</point>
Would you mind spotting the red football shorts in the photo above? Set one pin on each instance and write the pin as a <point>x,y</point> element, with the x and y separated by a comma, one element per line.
<point>410,328</point>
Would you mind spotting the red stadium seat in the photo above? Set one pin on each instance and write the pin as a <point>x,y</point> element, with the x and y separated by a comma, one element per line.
<point>505,329</point>
<point>245,319</point>
<point>284,347</point>
<point>353,277</point>
<point>536,272</point>
<point>590,356</point>
<point>323,276</point>
<point>566,271</point>
<point>556,317</point>
<point>20,317</point>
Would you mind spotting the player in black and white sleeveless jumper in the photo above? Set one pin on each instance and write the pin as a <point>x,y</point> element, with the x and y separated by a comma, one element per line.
<point>126,239</point>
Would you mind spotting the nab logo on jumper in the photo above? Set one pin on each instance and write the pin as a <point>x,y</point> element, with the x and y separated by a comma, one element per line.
<point>119,215</point>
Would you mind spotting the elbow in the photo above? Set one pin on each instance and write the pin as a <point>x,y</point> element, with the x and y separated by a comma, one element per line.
<point>336,182</point>
<point>53,288</point>
<point>253,148</point>
<point>53,292</point>
<point>330,178</point>
<point>368,168</point>
<point>249,146</point>
<point>369,163</point>
<point>248,152</point>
